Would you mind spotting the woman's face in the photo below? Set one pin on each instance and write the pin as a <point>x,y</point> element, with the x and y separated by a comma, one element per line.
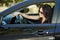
<point>41,13</point>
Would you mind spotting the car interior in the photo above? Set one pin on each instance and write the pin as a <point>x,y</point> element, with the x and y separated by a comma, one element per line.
<point>31,10</point>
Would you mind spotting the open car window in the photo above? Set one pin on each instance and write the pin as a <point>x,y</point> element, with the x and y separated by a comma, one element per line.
<point>31,10</point>
<point>24,25</point>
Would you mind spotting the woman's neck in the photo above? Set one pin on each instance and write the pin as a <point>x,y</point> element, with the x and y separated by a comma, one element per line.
<point>43,19</point>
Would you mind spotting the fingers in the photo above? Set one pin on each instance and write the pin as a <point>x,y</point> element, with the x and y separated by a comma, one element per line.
<point>15,14</point>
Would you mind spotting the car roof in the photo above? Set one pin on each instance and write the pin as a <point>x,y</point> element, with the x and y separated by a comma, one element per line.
<point>20,5</point>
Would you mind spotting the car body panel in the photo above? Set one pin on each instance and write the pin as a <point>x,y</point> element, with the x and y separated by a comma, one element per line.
<point>57,27</point>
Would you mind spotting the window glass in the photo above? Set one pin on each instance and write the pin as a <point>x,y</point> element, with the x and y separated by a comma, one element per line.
<point>39,13</point>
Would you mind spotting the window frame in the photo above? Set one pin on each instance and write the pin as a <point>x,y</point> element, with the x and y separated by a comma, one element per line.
<point>19,25</point>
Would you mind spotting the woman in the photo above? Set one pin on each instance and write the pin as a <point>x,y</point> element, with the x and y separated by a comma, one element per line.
<point>45,12</point>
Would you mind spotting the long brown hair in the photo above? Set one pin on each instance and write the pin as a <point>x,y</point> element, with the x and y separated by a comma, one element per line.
<point>47,11</point>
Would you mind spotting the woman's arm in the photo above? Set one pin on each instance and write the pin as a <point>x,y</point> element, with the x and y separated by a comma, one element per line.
<point>26,16</point>
<point>30,17</point>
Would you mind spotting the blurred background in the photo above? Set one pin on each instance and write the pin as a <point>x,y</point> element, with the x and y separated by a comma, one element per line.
<point>4,4</point>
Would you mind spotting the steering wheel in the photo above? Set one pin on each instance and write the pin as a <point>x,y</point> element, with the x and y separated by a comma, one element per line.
<point>21,20</point>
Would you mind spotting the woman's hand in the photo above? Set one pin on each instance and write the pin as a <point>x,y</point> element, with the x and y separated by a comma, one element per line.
<point>16,13</point>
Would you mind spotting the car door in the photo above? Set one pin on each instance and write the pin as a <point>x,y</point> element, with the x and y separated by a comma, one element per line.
<point>30,28</point>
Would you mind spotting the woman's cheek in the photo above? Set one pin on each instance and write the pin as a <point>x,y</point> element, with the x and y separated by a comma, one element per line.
<point>41,15</point>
